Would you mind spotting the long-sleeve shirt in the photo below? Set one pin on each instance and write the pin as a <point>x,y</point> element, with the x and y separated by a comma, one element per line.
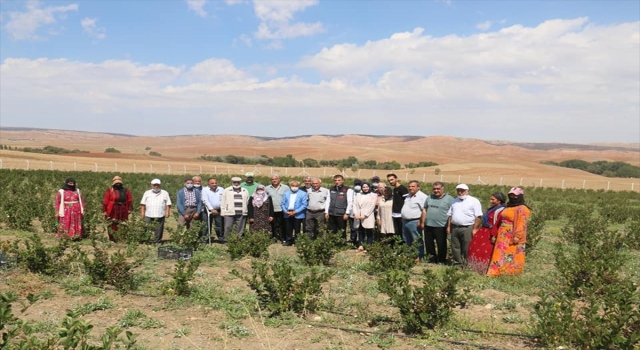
<point>212,199</point>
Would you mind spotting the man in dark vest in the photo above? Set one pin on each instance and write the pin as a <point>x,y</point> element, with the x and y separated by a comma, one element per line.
<point>340,202</point>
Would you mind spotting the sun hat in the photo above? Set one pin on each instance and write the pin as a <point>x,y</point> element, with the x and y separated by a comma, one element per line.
<point>462,187</point>
<point>155,182</point>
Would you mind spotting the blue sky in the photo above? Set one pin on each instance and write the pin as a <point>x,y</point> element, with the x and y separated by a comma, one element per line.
<point>562,71</point>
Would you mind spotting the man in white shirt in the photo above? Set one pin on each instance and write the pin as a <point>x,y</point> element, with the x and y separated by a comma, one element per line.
<point>465,219</point>
<point>413,215</point>
<point>211,199</point>
<point>155,207</point>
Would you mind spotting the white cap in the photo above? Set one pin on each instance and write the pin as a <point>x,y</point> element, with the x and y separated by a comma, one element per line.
<point>155,182</point>
<point>462,187</point>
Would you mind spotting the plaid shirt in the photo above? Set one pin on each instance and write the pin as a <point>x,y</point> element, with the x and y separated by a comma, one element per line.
<point>189,198</point>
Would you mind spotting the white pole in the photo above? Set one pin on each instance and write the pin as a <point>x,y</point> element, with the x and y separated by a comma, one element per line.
<point>459,176</point>
<point>96,164</point>
<point>50,165</point>
<point>75,166</point>
<point>423,177</point>
<point>151,167</point>
<point>584,182</point>
<point>540,182</point>
<point>324,173</point>
<point>200,170</point>
<point>608,185</point>
<point>169,167</point>
<point>1,168</point>
<point>520,182</point>
<point>406,176</point>
<point>500,180</point>
<point>184,169</point>
<point>215,169</point>
<point>441,177</point>
<point>116,166</point>
<point>631,185</point>
<point>134,168</point>
<point>27,165</point>
<point>358,172</point>
<point>563,184</point>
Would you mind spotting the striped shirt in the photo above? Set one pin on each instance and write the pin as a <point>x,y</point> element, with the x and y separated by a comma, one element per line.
<point>237,202</point>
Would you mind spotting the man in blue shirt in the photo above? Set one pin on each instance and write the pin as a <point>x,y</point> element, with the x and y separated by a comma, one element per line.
<point>211,197</point>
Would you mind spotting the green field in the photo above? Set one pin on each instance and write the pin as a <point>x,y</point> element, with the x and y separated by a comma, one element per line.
<point>580,288</point>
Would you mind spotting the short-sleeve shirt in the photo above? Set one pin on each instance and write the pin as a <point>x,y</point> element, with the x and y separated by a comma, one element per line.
<point>437,209</point>
<point>155,203</point>
<point>464,212</point>
<point>413,205</point>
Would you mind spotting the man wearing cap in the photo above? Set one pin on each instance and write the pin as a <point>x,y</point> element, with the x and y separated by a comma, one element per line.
<point>413,214</point>
<point>437,207</point>
<point>249,184</point>
<point>211,201</point>
<point>189,204</point>
<point>155,207</point>
<point>375,181</point>
<point>116,205</point>
<point>276,190</point>
<point>464,220</point>
<point>233,208</point>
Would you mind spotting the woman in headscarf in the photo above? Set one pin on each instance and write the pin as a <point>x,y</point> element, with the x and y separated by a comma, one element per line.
<point>260,210</point>
<point>117,205</point>
<point>508,253</point>
<point>364,206</point>
<point>69,207</point>
<point>481,246</point>
<point>384,211</point>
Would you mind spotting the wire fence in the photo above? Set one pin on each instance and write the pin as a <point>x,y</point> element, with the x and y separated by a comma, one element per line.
<point>207,169</point>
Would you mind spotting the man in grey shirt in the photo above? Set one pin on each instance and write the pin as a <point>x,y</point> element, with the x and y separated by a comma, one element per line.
<point>413,214</point>
<point>275,191</point>
<point>437,206</point>
<point>316,209</point>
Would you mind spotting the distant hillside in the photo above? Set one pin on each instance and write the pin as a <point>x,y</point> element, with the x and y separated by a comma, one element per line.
<point>554,145</point>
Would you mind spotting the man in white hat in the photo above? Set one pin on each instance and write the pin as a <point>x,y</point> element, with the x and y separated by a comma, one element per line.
<point>233,208</point>
<point>155,207</point>
<point>465,219</point>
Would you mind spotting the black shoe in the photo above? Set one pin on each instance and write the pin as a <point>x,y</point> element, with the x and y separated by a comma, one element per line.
<point>287,244</point>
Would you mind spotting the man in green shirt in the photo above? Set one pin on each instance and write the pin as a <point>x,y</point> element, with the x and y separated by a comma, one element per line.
<point>437,205</point>
<point>249,184</point>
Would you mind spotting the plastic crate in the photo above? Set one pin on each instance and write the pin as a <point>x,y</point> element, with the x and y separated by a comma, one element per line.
<point>7,261</point>
<point>174,253</point>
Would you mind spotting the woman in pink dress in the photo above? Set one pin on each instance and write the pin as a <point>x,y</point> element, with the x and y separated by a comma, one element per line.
<point>481,247</point>
<point>69,207</point>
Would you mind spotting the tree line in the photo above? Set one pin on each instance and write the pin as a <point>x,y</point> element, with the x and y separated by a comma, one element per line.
<point>44,150</point>
<point>289,161</point>
<point>600,167</point>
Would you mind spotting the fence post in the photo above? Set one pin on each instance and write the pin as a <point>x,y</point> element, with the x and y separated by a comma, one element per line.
<point>27,165</point>
<point>134,168</point>
<point>200,170</point>
<point>215,169</point>
<point>500,180</point>
<point>50,165</point>
<point>406,176</point>
<point>563,184</point>
<point>286,171</point>
<point>424,177</point>
<point>75,166</point>
<point>608,185</point>
<point>584,182</point>
<point>151,168</point>
<point>358,172</point>
<point>540,182</point>
<point>1,165</point>
<point>441,177</point>
<point>116,164</point>
<point>96,164</point>
<point>169,167</point>
<point>184,169</point>
<point>324,173</point>
<point>459,177</point>
<point>631,183</point>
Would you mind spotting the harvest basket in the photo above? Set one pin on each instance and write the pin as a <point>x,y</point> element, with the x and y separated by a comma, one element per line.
<point>174,253</point>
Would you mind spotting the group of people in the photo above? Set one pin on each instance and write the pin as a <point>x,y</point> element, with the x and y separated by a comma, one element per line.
<point>491,242</point>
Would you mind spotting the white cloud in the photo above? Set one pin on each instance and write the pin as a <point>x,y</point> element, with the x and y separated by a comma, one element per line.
<point>197,6</point>
<point>486,25</point>
<point>89,25</point>
<point>563,80</point>
<point>277,19</point>
<point>246,40</point>
<point>24,25</point>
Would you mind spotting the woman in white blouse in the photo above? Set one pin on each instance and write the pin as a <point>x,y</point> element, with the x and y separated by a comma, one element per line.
<point>363,209</point>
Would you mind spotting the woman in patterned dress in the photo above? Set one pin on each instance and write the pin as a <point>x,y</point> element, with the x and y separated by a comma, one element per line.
<point>260,210</point>
<point>481,246</point>
<point>508,253</point>
<point>69,207</point>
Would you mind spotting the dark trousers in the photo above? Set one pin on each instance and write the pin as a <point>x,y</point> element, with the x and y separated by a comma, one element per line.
<point>278,226</point>
<point>397,226</point>
<point>292,225</point>
<point>365,236</point>
<point>460,240</point>
<point>337,224</point>
<point>312,222</point>
<point>439,236</point>
<point>353,231</point>
<point>159,230</point>
<point>215,224</point>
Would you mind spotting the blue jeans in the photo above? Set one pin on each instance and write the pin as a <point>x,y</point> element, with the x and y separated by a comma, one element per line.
<point>412,235</point>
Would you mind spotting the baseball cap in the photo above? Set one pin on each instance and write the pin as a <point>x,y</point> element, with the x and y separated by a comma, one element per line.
<point>236,179</point>
<point>248,175</point>
<point>516,190</point>
<point>462,187</point>
<point>155,182</point>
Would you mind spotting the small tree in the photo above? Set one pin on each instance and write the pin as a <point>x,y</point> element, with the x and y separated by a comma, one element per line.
<point>111,150</point>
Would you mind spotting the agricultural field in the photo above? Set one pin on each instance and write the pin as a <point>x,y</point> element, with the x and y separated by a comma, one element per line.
<point>580,288</point>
